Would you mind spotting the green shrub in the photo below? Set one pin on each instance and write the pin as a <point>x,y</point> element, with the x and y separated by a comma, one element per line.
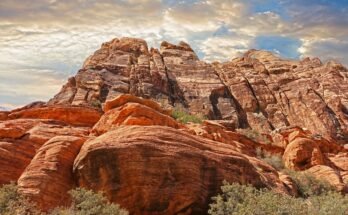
<point>274,160</point>
<point>254,135</point>
<point>183,116</point>
<point>330,203</point>
<point>84,202</point>
<point>244,199</point>
<point>241,199</point>
<point>308,185</point>
<point>13,203</point>
<point>87,202</point>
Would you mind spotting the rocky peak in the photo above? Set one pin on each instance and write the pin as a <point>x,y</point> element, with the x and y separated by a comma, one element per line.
<point>258,90</point>
<point>182,51</point>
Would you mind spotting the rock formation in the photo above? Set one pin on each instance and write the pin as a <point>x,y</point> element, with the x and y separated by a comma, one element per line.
<point>258,90</point>
<point>111,129</point>
<point>164,170</point>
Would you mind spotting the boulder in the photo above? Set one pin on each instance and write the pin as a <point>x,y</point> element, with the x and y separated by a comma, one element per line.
<point>161,170</point>
<point>302,153</point>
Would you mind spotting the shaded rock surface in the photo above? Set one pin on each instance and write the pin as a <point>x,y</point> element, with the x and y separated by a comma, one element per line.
<point>163,170</point>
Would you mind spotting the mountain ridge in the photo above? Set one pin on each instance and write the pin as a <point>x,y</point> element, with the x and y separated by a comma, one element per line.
<point>113,128</point>
<point>174,75</point>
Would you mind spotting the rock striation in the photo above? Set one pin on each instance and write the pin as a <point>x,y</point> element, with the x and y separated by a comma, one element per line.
<point>110,128</point>
<point>258,90</point>
<point>164,170</point>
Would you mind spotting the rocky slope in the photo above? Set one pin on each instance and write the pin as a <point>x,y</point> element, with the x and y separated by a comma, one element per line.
<point>110,128</point>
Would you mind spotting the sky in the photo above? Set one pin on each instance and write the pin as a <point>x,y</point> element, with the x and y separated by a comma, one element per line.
<point>43,42</point>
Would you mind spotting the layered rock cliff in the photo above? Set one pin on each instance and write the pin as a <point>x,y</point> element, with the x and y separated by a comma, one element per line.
<point>258,90</point>
<point>110,128</point>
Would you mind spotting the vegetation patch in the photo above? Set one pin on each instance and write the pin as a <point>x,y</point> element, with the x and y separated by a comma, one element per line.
<point>274,160</point>
<point>308,185</point>
<point>185,117</point>
<point>254,135</point>
<point>237,199</point>
<point>84,202</point>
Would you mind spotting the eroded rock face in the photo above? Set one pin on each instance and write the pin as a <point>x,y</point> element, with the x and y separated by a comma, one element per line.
<point>133,114</point>
<point>172,75</point>
<point>15,155</point>
<point>258,90</point>
<point>48,177</point>
<point>275,93</point>
<point>21,138</point>
<point>163,170</point>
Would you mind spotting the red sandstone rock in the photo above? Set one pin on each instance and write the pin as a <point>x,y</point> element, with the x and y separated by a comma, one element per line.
<point>160,170</point>
<point>48,177</point>
<point>132,114</point>
<point>328,175</point>
<point>44,131</point>
<point>218,132</point>
<point>302,153</point>
<point>15,129</point>
<point>3,115</point>
<point>127,98</point>
<point>15,155</point>
<point>21,138</point>
<point>258,90</point>
<point>80,116</point>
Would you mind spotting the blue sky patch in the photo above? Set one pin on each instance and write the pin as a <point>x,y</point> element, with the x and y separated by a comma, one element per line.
<point>286,46</point>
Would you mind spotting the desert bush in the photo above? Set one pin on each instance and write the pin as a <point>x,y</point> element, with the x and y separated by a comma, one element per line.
<point>274,160</point>
<point>329,203</point>
<point>254,135</point>
<point>183,116</point>
<point>247,200</point>
<point>13,203</point>
<point>308,185</point>
<point>244,199</point>
<point>87,202</point>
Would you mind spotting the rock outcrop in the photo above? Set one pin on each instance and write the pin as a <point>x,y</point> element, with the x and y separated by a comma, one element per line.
<point>131,110</point>
<point>258,90</point>
<point>276,93</point>
<point>163,170</point>
<point>79,116</point>
<point>111,129</point>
